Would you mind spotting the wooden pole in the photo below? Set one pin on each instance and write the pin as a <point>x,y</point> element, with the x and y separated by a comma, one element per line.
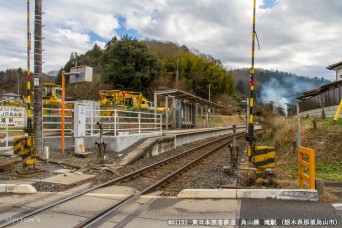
<point>63,111</point>
<point>38,64</point>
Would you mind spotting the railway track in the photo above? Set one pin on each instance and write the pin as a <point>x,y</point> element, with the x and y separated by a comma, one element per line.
<point>146,180</point>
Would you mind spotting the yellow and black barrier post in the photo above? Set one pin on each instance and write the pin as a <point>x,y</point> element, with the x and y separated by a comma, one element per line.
<point>264,158</point>
<point>24,147</point>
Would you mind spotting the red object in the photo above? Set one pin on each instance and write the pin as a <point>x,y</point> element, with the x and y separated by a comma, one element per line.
<point>123,94</point>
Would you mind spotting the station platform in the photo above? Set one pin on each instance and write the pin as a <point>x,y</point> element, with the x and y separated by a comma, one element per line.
<point>194,130</point>
<point>184,136</point>
<point>122,142</point>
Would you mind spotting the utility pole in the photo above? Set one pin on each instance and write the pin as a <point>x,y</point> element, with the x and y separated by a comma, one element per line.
<point>38,136</point>
<point>209,93</point>
<point>16,72</point>
<point>74,56</point>
<point>177,74</point>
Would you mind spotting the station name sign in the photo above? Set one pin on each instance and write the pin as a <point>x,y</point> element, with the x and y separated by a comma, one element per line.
<point>12,116</point>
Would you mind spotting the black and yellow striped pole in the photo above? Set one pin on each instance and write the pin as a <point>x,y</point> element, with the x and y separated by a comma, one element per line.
<point>29,111</point>
<point>24,145</point>
<point>263,156</point>
<point>250,133</point>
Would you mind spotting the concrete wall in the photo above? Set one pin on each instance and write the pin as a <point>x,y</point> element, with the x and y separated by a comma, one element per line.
<point>329,112</point>
<point>190,137</point>
<point>161,146</point>
<point>114,144</point>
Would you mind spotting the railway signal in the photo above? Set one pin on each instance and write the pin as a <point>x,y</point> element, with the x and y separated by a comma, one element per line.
<point>263,157</point>
<point>24,146</point>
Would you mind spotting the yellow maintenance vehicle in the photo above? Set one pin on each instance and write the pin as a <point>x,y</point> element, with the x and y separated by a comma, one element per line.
<point>51,98</point>
<point>123,100</point>
<point>51,95</point>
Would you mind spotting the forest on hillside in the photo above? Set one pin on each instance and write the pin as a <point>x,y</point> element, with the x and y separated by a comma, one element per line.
<point>12,80</point>
<point>147,66</point>
<point>277,87</point>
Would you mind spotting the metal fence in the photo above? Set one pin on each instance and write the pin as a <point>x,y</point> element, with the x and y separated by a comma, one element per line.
<point>325,99</point>
<point>122,122</point>
<point>52,122</point>
<point>118,123</point>
<point>7,134</point>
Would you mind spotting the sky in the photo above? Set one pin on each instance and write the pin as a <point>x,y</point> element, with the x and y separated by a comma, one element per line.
<point>301,37</point>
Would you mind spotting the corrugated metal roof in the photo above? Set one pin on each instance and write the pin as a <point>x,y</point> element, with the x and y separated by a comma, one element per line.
<point>187,96</point>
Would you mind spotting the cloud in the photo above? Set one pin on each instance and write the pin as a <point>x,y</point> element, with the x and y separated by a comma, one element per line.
<point>302,37</point>
<point>60,44</point>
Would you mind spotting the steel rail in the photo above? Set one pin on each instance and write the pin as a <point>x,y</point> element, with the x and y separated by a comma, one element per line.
<point>103,216</point>
<point>25,214</point>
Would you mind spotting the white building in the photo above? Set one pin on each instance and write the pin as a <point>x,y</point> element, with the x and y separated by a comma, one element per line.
<point>338,68</point>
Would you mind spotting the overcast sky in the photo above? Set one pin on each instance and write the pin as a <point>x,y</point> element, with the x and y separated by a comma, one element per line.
<point>298,36</point>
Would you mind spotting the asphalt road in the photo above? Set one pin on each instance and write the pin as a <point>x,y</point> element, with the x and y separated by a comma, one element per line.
<point>289,213</point>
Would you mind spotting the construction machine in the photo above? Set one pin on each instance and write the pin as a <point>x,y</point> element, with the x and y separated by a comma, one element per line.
<point>51,95</point>
<point>123,100</point>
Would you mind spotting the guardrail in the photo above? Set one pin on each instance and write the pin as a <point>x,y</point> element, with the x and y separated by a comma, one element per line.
<point>121,122</point>
<point>309,165</point>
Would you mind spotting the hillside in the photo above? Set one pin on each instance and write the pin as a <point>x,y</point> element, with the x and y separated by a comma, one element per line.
<point>146,66</point>
<point>325,140</point>
<point>9,81</point>
<point>278,87</point>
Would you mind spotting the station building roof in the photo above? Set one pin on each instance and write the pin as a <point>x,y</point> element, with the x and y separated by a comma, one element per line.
<point>178,94</point>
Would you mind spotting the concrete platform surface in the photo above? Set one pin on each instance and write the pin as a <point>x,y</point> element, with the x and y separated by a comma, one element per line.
<point>17,188</point>
<point>155,211</point>
<point>60,171</point>
<point>285,194</point>
<point>67,178</point>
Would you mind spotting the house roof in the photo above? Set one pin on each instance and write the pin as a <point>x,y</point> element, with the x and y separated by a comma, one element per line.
<point>313,92</point>
<point>333,66</point>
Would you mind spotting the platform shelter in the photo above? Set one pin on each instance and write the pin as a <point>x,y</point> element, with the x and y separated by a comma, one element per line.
<point>184,110</point>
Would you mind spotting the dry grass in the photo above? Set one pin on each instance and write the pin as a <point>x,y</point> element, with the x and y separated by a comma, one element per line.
<point>325,140</point>
<point>235,119</point>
